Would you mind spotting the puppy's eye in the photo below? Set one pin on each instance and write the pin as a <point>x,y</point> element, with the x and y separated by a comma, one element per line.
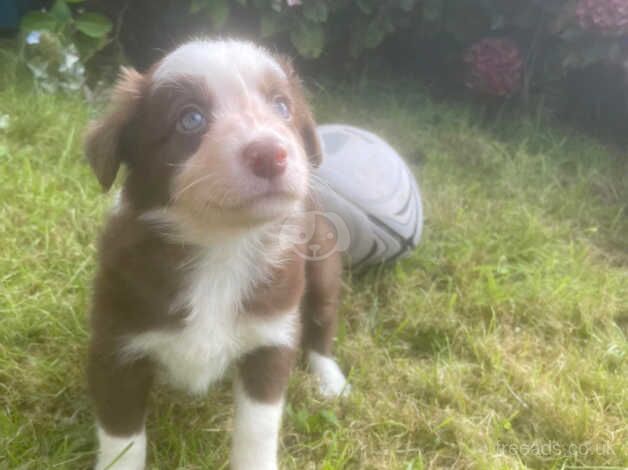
<point>281,105</point>
<point>191,121</point>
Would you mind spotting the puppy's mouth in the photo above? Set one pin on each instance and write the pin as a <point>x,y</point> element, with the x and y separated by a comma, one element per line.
<point>272,196</point>
<point>242,196</point>
<point>268,204</point>
<point>253,192</point>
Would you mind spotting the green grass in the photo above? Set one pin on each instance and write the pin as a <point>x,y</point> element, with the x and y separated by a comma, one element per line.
<point>500,343</point>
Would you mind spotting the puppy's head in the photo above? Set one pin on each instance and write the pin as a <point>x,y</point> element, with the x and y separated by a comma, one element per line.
<point>216,132</point>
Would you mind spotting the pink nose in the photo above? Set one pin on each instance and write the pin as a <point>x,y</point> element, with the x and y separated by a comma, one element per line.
<point>267,158</point>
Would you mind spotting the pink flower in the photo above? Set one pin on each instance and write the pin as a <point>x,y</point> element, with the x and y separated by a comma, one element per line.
<point>609,17</point>
<point>494,67</point>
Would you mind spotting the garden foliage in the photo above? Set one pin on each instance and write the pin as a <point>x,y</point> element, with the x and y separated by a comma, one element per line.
<point>55,44</point>
<point>505,44</point>
<point>502,48</point>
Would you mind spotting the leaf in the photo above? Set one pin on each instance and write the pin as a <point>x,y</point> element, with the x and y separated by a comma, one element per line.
<point>218,12</point>
<point>197,5</point>
<point>61,11</point>
<point>595,52</point>
<point>498,21</point>
<point>315,11</point>
<point>276,5</point>
<point>365,6</point>
<point>93,25</point>
<point>300,419</point>
<point>330,417</point>
<point>270,24</point>
<point>88,46</point>
<point>387,25</point>
<point>565,18</point>
<point>374,34</point>
<point>432,10</point>
<point>406,5</point>
<point>74,1</point>
<point>38,21</point>
<point>586,51</point>
<point>309,39</point>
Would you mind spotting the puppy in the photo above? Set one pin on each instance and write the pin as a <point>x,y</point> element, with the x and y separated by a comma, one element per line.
<point>198,267</point>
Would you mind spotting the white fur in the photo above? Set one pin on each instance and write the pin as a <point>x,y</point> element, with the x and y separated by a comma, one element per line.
<point>332,382</point>
<point>181,227</point>
<point>256,432</point>
<point>237,75</point>
<point>216,332</point>
<point>130,451</point>
<point>118,203</point>
<point>226,64</point>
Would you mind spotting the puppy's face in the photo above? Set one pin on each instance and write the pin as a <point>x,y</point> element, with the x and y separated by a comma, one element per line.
<point>217,132</point>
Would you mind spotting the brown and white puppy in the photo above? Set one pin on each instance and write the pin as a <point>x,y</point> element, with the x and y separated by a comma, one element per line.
<point>195,273</point>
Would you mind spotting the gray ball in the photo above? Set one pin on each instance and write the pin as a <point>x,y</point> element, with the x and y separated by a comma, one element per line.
<point>369,195</point>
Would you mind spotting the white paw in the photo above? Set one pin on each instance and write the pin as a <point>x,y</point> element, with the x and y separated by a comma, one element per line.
<point>255,433</point>
<point>121,453</point>
<point>332,382</point>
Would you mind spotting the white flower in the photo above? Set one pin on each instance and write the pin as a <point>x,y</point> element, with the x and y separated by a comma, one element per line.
<point>33,37</point>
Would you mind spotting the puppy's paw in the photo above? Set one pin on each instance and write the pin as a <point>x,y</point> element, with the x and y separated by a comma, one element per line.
<point>332,382</point>
<point>121,452</point>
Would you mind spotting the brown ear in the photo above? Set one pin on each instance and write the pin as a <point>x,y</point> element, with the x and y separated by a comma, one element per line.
<point>303,115</point>
<point>102,144</point>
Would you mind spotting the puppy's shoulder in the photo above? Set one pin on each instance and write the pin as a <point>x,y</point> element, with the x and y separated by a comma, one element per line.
<point>123,234</point>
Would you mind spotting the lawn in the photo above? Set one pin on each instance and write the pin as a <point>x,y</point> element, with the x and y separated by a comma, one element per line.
<point>499,343</point>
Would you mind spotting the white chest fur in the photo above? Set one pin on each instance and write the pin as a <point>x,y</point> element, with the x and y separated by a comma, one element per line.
<point>216,332</point>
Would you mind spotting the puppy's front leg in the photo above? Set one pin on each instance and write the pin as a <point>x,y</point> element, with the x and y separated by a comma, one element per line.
<point>119,392</point>
<point>259,395</point>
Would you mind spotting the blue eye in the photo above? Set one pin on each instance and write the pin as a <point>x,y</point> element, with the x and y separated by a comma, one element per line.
<point>191,121</point>
<point>281,105</point>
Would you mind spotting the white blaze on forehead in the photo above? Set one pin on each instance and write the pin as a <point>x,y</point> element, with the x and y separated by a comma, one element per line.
<point>225,65</point>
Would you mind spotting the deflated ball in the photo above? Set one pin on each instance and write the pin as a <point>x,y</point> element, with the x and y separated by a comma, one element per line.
<point>369,196</point>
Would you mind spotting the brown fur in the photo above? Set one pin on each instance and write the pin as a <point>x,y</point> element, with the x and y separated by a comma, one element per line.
<point>265,372</point>
<point>320,302</point>
<point>139,271</point>
<point>104,137</point>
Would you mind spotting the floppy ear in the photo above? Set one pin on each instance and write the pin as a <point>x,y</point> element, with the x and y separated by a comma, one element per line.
<point>303,115</point>
<point>103,141</point>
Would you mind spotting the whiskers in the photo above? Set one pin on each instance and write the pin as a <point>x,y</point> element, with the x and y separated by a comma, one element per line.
<point>209,177</point>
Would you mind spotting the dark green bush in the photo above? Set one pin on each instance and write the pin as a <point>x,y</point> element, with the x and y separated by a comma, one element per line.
<point>503,48</point>
<point>554,36</point>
